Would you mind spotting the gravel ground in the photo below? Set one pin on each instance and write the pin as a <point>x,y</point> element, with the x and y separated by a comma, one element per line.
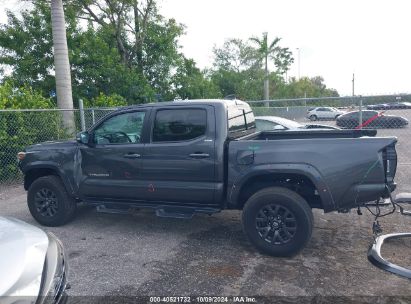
<point>141,254</point>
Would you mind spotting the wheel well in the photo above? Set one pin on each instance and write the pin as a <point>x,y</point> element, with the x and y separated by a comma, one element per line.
<point>296,182</point>
<point>34,174</point>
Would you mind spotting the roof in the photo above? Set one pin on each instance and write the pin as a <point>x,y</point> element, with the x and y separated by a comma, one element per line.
<point>188,102</point>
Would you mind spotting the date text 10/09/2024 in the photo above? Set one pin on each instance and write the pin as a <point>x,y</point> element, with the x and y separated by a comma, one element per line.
<point>203,299</point>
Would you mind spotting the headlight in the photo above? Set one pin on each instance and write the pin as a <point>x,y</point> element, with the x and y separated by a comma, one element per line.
<point>54,273</point>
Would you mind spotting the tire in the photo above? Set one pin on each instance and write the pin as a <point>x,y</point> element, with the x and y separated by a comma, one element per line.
<point>313,117</point>
<point>271,237</point>
<point>49,202</point>
<point>336,116</point>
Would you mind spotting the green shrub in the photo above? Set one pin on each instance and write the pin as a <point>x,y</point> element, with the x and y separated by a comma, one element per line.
<point>21,129</point>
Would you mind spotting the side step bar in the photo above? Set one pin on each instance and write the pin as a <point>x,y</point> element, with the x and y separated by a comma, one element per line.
<point>181,212</point>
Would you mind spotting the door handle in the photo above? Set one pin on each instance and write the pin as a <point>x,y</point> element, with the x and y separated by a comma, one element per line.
<point>199,155</point>
<point>132,155</point>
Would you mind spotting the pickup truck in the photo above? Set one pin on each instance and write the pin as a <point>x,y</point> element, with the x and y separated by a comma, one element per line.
<point>204,156</point>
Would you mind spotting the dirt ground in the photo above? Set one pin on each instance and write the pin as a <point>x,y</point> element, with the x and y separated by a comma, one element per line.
<point>143,255</point>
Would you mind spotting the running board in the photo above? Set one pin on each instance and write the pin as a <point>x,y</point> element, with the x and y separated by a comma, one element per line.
<point>175,213</point>
<point>181,212</point>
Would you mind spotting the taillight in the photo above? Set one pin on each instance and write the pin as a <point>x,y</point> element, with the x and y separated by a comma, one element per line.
<point>389,156</point>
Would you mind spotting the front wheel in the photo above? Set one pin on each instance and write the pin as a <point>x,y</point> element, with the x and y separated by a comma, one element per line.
<point>49,202</point>
<point>277,221</point>
<point>313,117</point>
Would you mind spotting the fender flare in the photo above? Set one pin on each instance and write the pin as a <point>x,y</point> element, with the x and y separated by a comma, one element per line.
<point>306,170</point>
<point>52,166</point>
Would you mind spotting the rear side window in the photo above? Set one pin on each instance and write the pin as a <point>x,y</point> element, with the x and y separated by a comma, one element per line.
<point>240,120</point>
<point>179,124</point>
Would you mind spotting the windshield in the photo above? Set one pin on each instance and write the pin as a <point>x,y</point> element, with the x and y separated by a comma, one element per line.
<point>287,123</point>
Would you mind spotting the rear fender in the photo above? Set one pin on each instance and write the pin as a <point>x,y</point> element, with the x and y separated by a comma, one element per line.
<point>306,170</point>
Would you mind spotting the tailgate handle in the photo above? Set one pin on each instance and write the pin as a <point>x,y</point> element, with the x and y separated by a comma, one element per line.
<point>132,155</point>
<point>199,155</point>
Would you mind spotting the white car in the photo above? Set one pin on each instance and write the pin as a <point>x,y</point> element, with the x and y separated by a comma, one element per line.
<point>328,113</point>
<point>32,266</point>
<point>270,123</point>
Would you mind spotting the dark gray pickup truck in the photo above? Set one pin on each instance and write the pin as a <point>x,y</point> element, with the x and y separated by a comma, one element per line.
<point>204,156</point>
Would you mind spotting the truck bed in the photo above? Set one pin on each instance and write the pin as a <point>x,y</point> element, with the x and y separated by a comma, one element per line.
<point>306,134</point>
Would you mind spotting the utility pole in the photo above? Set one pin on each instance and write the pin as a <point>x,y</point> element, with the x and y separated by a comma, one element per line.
<point>299,64</point>
<point>353,83</point>
<point>266,81</point>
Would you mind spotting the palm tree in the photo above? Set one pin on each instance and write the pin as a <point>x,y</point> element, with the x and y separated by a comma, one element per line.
<point>265,51</point>
<point>62,65</point>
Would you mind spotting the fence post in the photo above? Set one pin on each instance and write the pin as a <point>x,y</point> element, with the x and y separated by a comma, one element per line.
<point>360,113</point>
<point>93,117</point>
<point>83,122</point>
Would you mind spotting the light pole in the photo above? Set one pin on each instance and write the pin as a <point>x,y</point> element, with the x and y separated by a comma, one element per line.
<point>299,63</point>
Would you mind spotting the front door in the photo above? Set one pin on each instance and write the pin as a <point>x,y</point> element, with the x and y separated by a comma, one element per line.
<point>111,165</point>
<point>179,160</point>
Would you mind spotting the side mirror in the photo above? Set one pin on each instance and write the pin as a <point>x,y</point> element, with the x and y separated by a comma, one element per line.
<point>83,137</point>
<point>278,127</point>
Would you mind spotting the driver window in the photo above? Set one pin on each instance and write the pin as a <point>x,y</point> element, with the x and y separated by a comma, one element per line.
<point>120,129</point>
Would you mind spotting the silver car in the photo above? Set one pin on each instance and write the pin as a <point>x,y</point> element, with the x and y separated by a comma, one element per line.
<point>32,265</point>
<point>326,113</point>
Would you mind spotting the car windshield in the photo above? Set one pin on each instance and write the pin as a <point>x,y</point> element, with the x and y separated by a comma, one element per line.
<point>287,123</point>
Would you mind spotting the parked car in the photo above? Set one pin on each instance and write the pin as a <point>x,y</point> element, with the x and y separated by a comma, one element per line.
<point>329,113</point>
<point>371,119</point>
<point>382,106</point>
<point>33,265</point>
<point>205,156</point>
<point>399,105</point>
<point>269,123</point>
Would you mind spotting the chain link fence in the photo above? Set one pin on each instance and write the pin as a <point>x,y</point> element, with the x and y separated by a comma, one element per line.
<point>389,114</point>
<point>21,128</point>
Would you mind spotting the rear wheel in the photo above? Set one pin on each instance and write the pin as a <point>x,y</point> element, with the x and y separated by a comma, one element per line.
<point>313,117</point>
<point>277,221</point>
<point>49,202</point>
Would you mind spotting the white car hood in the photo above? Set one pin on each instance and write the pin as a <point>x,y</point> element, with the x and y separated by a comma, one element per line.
<point>23,249</point>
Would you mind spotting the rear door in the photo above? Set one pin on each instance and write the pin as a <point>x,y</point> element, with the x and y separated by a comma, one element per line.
<point>179,160</point>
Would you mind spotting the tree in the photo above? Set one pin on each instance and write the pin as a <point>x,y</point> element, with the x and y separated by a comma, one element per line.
<point>237,70</point>
<point>98,61</point>
<point>235,55</point>
<point>306,87</point>
<point>189,82</point>
<point>62,65</point>
<point>145,40</point>
<point>282,57</point>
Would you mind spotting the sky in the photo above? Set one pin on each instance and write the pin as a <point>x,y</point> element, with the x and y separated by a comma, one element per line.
<point>371,38</point>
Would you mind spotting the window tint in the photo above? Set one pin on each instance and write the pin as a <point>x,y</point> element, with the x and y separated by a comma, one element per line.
<point>179,125</point>
<point>369,114</point>
<point>120,129</point>
<point>240,120</point>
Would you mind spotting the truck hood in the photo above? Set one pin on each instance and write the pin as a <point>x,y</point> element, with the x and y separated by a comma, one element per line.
<point>23,249</point>
<point>62,144</point>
